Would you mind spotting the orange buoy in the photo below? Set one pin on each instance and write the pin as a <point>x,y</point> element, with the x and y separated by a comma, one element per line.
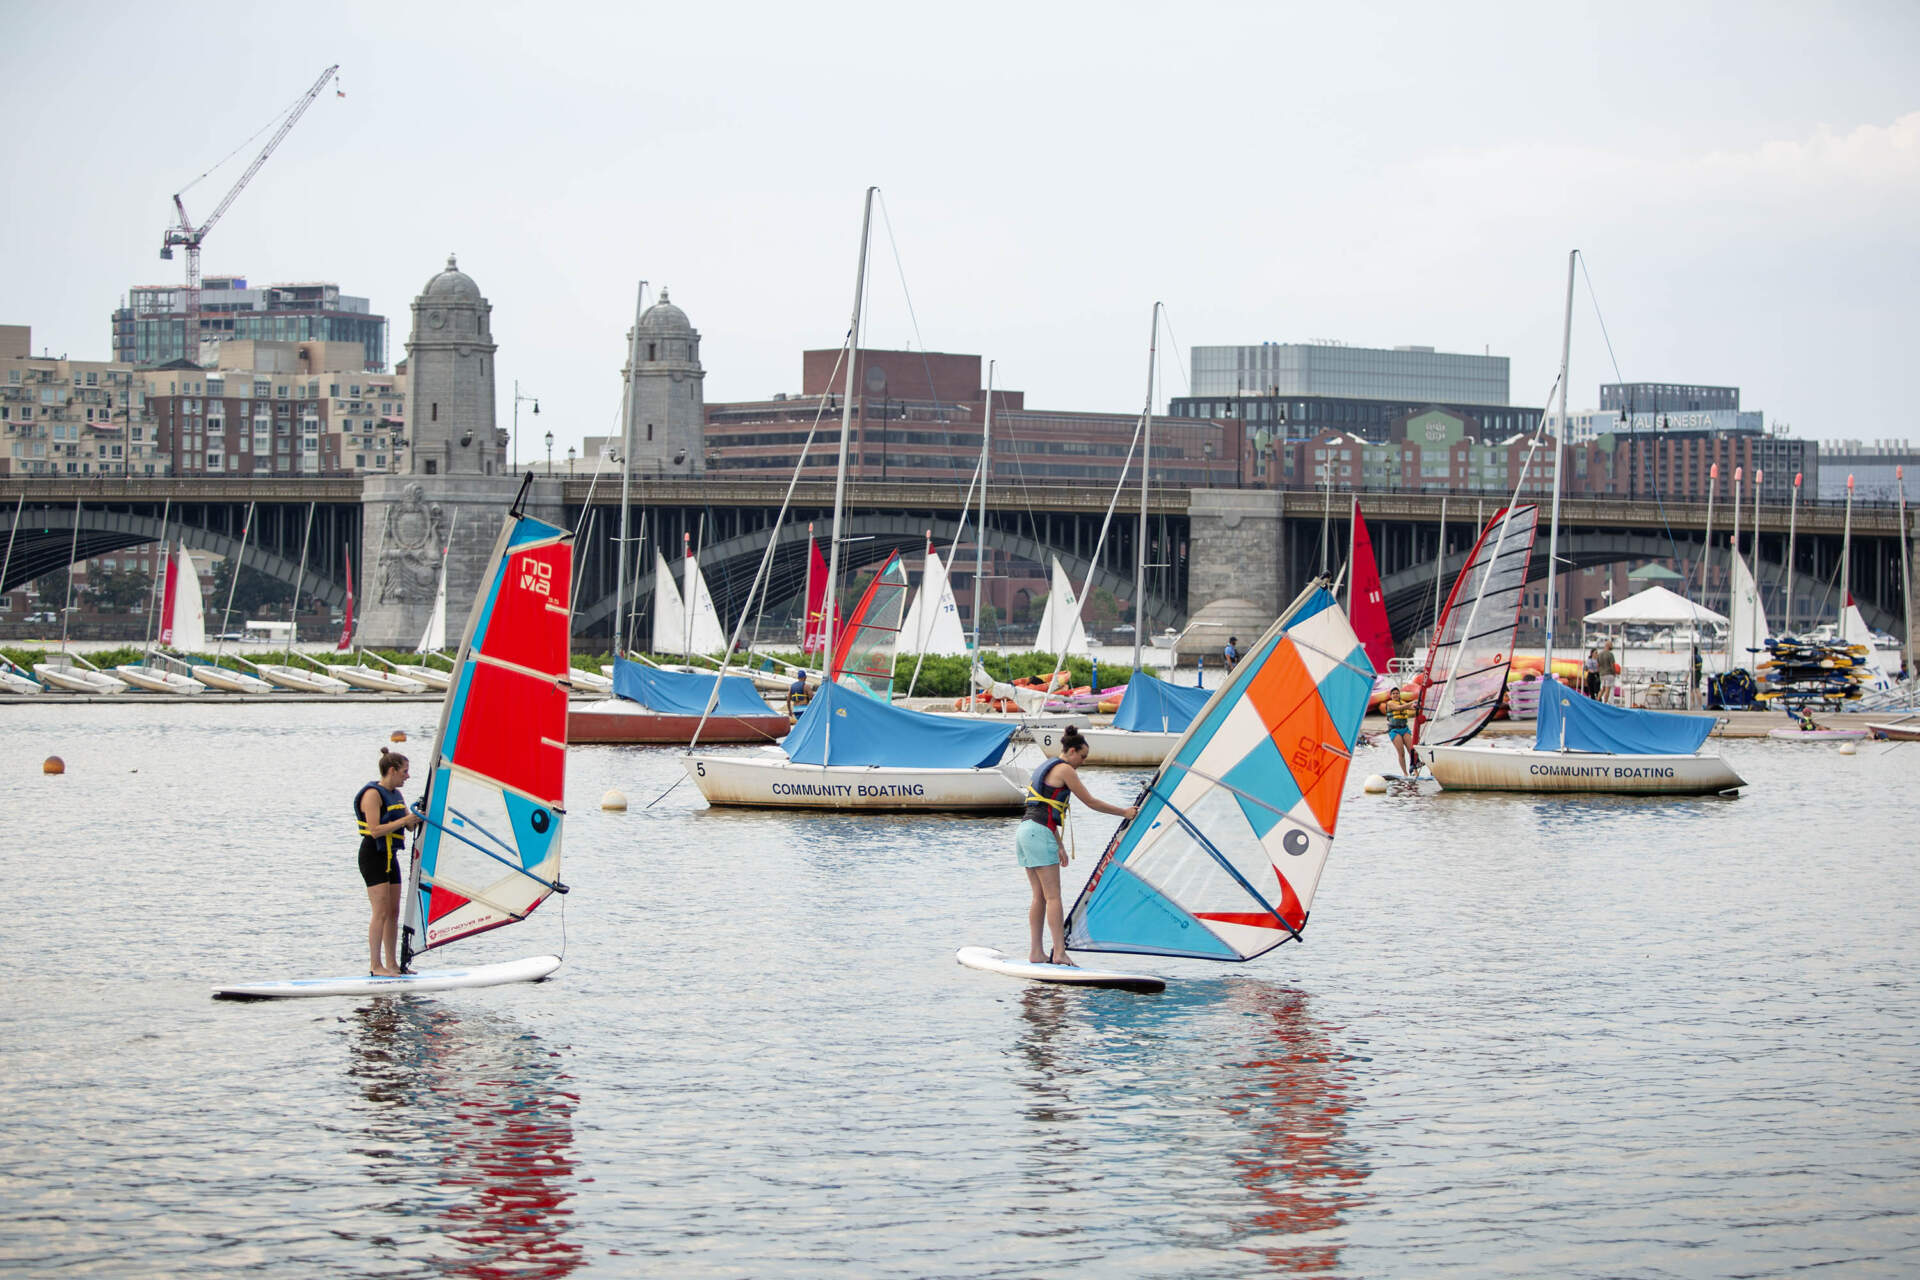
<point>398,735</point>
<point>54,764</point>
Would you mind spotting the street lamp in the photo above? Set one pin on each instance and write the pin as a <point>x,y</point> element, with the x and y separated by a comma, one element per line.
<point>517,398</point>
<point>1209,448</point>
<point>569,462</point>
<point>549,453</point>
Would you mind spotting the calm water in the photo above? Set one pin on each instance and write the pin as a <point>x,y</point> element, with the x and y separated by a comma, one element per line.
<point>1577,1038</point>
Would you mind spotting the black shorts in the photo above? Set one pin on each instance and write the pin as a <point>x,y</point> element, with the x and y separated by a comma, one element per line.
<point>377,866</point>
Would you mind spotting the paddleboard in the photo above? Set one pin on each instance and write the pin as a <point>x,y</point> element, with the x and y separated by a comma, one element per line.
<point>532,969</point>
<point>994,961</point>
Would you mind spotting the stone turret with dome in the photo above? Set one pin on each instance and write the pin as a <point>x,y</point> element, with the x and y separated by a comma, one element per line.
<point>665,392</point>
<point>450,403</point>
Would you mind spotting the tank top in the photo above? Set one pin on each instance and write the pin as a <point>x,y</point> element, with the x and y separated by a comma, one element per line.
<point>1046,805</point>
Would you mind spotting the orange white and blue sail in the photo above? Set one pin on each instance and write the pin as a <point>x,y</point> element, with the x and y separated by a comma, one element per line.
<point>1234,830</point>
<point>489,852</point>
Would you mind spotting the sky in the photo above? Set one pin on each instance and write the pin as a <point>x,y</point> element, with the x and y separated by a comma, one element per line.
<point>1741,179</point>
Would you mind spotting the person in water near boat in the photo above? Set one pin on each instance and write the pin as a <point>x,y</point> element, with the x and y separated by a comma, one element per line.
<point>1398,709</point>
<point>1038,845</point>
<point>383,816</point>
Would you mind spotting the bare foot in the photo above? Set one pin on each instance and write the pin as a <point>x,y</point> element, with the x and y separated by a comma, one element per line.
<point>1062,960</point>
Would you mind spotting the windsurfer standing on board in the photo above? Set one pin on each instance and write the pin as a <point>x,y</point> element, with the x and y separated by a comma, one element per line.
<point>1038,845</point>
<point>1398,709</point>
<point>383,815</point>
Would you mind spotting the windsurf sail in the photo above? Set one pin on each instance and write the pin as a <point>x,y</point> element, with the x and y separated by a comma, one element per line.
<point>669,615</point>
<point>1060,629</point>
<point>1366,606</point>
<point>183,616</point>
<point>346,620</point>
<point>489,851</point>
<point>813,637</point>
<point>933,620</point>
<point>1234,830</point>
<point>863,655</point>
<point>1467,662</point>
<point>704,633</point>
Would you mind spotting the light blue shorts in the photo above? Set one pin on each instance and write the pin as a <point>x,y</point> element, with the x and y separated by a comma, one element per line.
<point>1035,846</point>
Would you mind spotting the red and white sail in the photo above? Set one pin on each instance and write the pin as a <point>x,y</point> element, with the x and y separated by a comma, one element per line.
<point>1467,663</point>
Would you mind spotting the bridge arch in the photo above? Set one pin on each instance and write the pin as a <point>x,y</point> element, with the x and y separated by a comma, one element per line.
<point>729,566</point>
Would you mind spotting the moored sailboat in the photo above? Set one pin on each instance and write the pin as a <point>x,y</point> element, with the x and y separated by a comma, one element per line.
<point>655,707</point>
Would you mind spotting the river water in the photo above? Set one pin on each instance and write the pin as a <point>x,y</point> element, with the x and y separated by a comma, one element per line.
<point>1523,1037</point>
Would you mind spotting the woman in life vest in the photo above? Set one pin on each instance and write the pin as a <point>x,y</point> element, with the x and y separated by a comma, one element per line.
<point>383,816</point>
<point>1039,847</point>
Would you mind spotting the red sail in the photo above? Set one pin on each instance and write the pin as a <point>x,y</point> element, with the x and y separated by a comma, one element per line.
<point>1366,607</point>
<point>346,626</point>
<point>166,601</point>
<point>814,638</point>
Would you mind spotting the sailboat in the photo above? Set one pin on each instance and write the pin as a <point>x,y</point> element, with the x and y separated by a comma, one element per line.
<point>184,627</point>
<point>1579,745</point>
<point>71,672</point>
<point>1060,630</point>
<point>488,853</point>
<point>359,674</point>
<point>1234,830</point>
<point>213,674</point>
<point>702,620</point>
<point>932,626</point>
<point>284,675</point>
<point>855,751</point>
<point>1366,604</point>
<point>654,706</point>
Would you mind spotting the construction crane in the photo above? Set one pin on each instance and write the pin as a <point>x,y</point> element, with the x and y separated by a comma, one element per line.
<point>185,234</point>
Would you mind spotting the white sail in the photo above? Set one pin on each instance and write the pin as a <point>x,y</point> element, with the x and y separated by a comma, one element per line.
<point>189,620</point>
<point>669,616</point>
<point>705,634</point>
<point>434,639</point>
<point>1060,629</point>
<point>1748,616</point>
<point>933,621</point>
<point>1854,631</point>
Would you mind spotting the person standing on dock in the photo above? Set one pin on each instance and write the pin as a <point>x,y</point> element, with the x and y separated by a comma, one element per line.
<point>383,816</point>
<point>1231,652</point>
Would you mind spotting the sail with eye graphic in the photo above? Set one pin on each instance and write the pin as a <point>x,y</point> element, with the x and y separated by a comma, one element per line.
<point>1234,830</point>
<point>489,851</point>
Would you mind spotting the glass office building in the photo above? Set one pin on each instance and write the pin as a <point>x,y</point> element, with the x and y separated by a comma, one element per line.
<point>1413,374</point>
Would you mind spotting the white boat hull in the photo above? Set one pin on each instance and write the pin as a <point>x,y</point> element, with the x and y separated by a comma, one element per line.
<point>772,781</point>
<point>157,681</point>
<point>1895,732</point>
<point>230,680</point>
<point>586,681</point>
<point>531,969</point>
<point>431,677</point>
<point>1113,748</point>
<point>300,681</point>
<point>77,679</point>
<point>375,680</point>
<point>1819,735</point>
<point>1469,767</point>
<point>12,682</point>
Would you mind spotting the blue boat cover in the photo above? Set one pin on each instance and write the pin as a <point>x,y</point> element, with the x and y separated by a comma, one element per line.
<point>1151,705</point>
<point>1594,726</point>
<point>685,693</point>
<point>865,731</point>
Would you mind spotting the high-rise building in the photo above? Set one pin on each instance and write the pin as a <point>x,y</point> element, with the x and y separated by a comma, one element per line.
<point>1879,470</point>
<point>153,329</point>
<point>72,417</point>
<point>1416,374</point>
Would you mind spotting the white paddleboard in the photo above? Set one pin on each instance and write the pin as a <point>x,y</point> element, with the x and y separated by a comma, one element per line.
<point>532,969</point>
<point>995,961</point>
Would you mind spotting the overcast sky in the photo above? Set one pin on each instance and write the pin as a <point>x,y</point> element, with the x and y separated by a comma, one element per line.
<point>1743,179</point>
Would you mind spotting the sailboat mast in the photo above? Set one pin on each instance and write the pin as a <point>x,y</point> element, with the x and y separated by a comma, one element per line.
<point>166,509</point>
<point>1846,552</point>
<point>1559,449</point>
<point>980,525</point>
<point>66,608</point>
<point>840,471</point>
<point>1755,640</point>
<point>299,580</point>
<point>1906,568</point>
<point>1733,574</point>
<point>1146,465</point>
<point>233,581</point>
<point>626,471</point>
<point>1793,519</point>
<point>1439,564</point>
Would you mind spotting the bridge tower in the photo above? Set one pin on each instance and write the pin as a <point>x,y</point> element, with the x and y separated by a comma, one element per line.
<point>666,396</point>
<point>450,501</point>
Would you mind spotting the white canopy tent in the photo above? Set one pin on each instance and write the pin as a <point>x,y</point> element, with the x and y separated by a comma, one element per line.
<point>1654,607</point>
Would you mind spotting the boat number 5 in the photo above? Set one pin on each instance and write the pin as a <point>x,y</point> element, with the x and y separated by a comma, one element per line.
<point>699,767</point>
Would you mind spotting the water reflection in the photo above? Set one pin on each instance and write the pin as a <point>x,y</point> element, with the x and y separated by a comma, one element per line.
<point>1286,1085</point>
<point>468,1123</point>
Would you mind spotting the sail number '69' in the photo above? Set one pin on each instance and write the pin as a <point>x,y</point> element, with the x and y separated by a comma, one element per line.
<point>536,576</point>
